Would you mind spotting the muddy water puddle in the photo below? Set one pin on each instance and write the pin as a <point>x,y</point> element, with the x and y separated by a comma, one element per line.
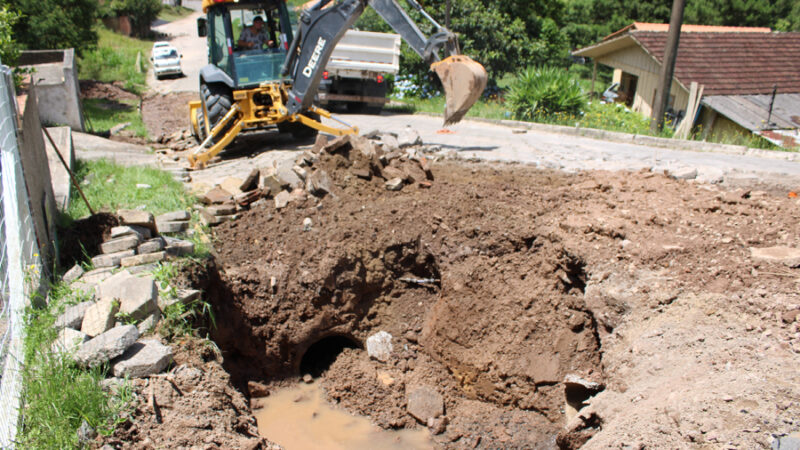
<point>300,418</point>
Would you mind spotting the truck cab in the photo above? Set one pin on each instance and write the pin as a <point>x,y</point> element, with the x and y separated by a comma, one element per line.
<point>247,67</point>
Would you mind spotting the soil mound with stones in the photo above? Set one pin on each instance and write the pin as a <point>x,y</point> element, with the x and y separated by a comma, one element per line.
<point>541,306</point>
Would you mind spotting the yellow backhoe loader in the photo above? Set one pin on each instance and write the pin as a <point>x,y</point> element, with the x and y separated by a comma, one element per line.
<point>255,83</point>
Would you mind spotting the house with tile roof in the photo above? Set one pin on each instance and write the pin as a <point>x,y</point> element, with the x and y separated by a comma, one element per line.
<point>738,68</point>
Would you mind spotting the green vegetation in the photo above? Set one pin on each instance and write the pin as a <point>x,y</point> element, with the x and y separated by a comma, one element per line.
<point>9,49</point>
<point>105,114</point>
<point>109,186</point>
<point>140,12</point>
<point>544,91</point>
<point>748,140</point>
<point>115,60</point>
<point>179,319</point>
<point>54,24</point>
<point>59,395</point>
<point>171,13</point>
<point>487,109</point>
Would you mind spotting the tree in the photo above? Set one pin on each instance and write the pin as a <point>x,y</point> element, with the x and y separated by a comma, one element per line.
<point>489,33</point>
<point>53,24</point>
<point>140,12</point>
<point>9,48</point>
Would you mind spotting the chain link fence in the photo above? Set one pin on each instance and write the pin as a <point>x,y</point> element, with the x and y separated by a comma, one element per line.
<point>19,261</point>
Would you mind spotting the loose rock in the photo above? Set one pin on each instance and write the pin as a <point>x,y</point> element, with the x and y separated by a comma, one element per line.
<point>408,137</point>
<point>395,184</point>
<point>120,244</point>
<point>424,403</point>
<point>142,359</point>
<point>106,346</point>
<point>251,182</point>
<point>143,259</point>
<point>216,196</point>
<point>178,247</point>
<point>100,317</point>
<point>779,254</point>
<point>68,341</point>
<point>135,217</point>
<point>174,216</point>
<point>111,259</point>
<point>151,246</point>
<point>72,317</point>
<point>137,296</point>
<point>282,200</point>
<point>172,226</point>
<point>379,346</point>
<point>73,274</point>
<point>126,230</point>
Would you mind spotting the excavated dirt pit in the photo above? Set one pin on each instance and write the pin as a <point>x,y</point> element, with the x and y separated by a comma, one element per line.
<point>545,308</point>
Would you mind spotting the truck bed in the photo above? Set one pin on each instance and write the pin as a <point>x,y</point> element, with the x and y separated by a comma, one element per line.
<point>359,53</point>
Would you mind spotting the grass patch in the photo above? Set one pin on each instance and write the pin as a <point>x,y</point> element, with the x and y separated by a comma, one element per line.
<point>749,140</point>
<point>109,186</point>
<point>59,395</point>
<point>171,13</point>
<point>179,319</point>
<point>488,109</point>
<point>105,114</point>
<point>115,60</point>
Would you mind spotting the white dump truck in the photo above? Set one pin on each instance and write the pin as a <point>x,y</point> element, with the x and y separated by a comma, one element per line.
<point>355,75</point>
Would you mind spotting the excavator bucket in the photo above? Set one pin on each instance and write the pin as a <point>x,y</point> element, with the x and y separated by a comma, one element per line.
<point>463,80</point>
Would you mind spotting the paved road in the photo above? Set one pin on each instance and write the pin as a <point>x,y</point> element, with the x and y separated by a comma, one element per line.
<point>480,140</point>
<point>183,35</point>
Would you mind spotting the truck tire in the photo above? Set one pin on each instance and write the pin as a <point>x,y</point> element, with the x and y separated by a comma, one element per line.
<point>217,101</point>
<point>298,130</point>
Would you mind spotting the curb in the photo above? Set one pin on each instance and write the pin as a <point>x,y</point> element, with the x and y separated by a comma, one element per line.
<point>638,139</point>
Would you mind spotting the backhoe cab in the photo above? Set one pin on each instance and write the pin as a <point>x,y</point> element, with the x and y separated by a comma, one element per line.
<point>248,87</point>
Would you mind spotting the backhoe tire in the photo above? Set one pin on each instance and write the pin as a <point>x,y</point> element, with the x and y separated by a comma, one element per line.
<point>217,100</point>
<point>298,130</point>
<point>201,135</point>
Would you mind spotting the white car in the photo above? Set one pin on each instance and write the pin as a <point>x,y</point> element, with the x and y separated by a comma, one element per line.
<point>166,60</point>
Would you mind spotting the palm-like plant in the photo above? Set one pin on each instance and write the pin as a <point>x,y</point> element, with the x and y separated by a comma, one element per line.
<point>542,91</point>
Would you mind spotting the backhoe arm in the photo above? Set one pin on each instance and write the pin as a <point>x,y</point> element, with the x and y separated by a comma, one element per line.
<point>323,25</point>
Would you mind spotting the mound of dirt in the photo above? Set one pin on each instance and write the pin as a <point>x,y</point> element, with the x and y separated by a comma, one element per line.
<point>102,90</point>
<point>83,237</point>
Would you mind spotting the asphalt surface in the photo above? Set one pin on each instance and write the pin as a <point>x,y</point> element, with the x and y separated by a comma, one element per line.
<point>480,140</point>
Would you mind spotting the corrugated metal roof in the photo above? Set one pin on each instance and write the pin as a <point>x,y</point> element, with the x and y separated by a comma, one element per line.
<point>751,111</point>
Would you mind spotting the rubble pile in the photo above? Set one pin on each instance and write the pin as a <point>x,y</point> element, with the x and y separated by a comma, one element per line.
<point>176,142</point>
<point>393,161</point>
<point>138,242</point>
<point>120,306</point>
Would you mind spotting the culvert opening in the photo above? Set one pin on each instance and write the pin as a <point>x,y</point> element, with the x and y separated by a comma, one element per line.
<point>319,357</point>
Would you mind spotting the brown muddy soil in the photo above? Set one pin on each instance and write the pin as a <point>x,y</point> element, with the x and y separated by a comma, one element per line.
<point>163,114</point>
<point>108,91</point>
<point>193,405</point>
<point>499,281</point>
